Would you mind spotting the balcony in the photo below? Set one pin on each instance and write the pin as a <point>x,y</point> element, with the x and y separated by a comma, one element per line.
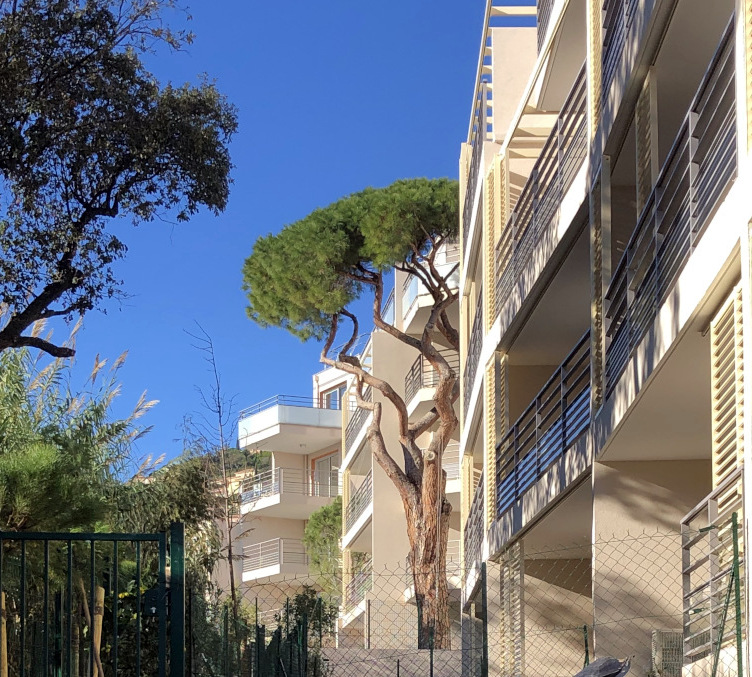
<point>422,379</point>
<point>359,585</point>
<point>286,423</point>
<point>359,507</point>
<point>357,422</point>
<point>549,426</point>
<point>292,493</point>
<point>473,537</point>
<point>707,564</point>
<point>531,233</point>
<point>278,556</point>
<point>695,178</point>
<point>478,134</point>
<point>545,7</point>
<point>474,347</point>
<point>416,299</point>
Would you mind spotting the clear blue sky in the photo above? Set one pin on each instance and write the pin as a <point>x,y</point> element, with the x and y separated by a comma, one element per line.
<point>333,96</point>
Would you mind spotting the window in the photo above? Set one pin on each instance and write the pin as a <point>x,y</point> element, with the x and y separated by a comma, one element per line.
<point>325,477</point>
<point>334,397</point>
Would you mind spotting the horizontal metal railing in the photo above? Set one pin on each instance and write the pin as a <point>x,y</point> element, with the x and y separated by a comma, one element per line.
<point>274,552</point>
<point>533,216</point>
<point>473,537</point>
<point>387,311</point>
<point>451,461</point>
<point>474,347</point>
<point>707,561</point>
<point>544,17</point>
<point>618,16</point>
<point>423,375</point>
<point>479,127</point>
<point>359,501</point>
<point>555,418</point>
<point>323,483</point>
<point>696,175</point>
<point>285,400</point>
<point>357,421</point>
<point>359,585</point>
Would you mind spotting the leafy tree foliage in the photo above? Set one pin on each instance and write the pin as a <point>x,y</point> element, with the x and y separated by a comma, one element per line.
<point>88,135</point>
<point>321,540</point>
<point>305,280</point>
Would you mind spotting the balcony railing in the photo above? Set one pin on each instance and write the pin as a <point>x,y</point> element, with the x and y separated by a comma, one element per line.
<point>423,375</point>
<point>552,422</point>
<point>617,22</point>
<point>474,347</point>
<point>474,528</point>
<point>544,17</point>
<point>387,312</point>
<point>359,501</point>
<point>479,127</point>
<point>275,552</point>
<point>288,401</point>
<point>707,561</point>
<point>695,177</point>
<point>451,461</point>
<point>290,481</point>
<point>359,585</point>
<point>357,421</point>
<point>533,216</point>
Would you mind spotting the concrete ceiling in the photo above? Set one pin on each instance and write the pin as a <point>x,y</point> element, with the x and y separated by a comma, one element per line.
<point>562,315</point>
<point>671,420</point>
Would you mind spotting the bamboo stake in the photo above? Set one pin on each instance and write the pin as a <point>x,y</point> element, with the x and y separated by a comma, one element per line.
<point>98,618</point>
<point>3,638</point>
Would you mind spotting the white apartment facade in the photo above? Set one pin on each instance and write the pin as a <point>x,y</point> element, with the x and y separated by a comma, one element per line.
<point>606,304</point>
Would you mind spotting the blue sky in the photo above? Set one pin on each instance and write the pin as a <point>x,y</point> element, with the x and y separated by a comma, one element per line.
<point>333,96</point>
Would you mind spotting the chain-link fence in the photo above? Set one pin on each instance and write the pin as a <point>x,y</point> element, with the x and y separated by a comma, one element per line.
<point>671,604</point>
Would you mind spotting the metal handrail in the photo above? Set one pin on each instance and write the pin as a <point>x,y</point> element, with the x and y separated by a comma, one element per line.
<point>475,139</point>
<point>474,346</point>
<point>357,420</point>
<point>276,551</point>
<point>284,400</point>
<point>422,374</point>
<point>359,585</point>
<point>474,528</point>
<point>550,425</point>
<point>359,501</point>
<point>534,213</point>
<point>696,175</point>
<point>323,483</point>
<point>707,564</point>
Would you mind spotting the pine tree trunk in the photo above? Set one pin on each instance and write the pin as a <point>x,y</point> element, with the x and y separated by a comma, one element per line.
<point>428,556</point>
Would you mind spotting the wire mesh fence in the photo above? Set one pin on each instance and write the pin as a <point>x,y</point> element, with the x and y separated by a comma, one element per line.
<point>672,604</point>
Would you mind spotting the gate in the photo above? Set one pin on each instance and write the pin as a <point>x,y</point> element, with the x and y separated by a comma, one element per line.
<point>92,605</point>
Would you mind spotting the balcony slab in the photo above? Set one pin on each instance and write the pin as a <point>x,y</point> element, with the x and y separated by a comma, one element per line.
<point>291,429</point>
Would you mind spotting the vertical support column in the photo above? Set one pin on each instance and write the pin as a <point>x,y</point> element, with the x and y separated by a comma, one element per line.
<point>600,277</point>
<point>177,599</point>
<point>594,67</point>
<point>490,204</point>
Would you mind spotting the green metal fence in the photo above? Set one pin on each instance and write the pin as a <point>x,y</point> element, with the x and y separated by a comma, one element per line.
<point>79,604</point>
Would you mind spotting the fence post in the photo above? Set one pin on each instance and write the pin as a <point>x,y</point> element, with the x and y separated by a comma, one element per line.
<point>484,614</point>
<point>177,599</point>
<point>737,594</point>
<point>430,651</point>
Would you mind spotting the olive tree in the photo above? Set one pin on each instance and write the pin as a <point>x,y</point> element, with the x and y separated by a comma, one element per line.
<point>306,279</point>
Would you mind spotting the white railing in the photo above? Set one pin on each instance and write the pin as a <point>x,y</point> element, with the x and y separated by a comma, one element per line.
<point>474,528</point>
<point>359,501</point>
<point>451,461</point>
<point>291,481</point>
<point>707,565</point>
<point>275,552</point>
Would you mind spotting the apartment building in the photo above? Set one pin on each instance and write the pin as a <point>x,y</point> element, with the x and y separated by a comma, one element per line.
<point>302,435</point>
<point>606,304</point>
<point>378,605</point>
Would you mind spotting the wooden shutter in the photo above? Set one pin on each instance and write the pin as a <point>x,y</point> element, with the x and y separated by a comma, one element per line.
<point>727,388</point>
<point>489,439</point>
